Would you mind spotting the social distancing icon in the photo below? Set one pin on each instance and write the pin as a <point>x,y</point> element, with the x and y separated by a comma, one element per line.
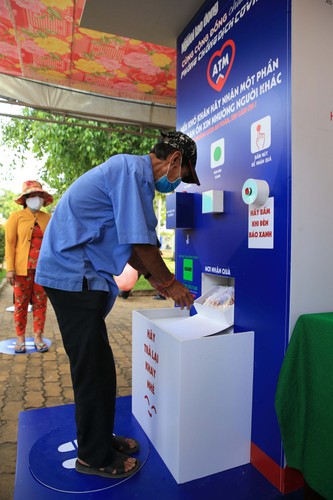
<point>66,448</point>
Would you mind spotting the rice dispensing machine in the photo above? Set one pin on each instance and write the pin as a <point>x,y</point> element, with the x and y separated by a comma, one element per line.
<point>237,237</point>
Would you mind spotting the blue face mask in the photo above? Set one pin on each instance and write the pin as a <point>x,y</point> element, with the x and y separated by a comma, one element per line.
<point>163,185</point>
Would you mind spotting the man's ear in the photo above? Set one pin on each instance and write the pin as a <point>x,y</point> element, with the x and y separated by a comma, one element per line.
<point>176,158</point>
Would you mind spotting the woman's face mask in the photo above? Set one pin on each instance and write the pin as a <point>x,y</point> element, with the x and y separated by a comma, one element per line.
<point>163,185</point>
<point>35,203</point>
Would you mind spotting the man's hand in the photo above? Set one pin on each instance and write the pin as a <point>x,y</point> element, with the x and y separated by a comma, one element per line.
<point>177,292</point>
<point>147,259</point>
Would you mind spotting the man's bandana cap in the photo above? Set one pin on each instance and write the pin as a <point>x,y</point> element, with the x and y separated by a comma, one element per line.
<point>187,147</point>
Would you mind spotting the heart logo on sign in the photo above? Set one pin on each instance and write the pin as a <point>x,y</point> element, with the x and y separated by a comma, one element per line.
<point>220,65</point>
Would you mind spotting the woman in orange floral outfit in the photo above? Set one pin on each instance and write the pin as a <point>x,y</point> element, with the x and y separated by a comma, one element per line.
<point>24,235</point>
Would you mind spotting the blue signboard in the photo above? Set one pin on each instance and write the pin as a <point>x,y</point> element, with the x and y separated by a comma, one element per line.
<point>233,93</point>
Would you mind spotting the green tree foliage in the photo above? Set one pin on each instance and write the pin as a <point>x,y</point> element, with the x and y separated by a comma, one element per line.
<point>7,206</point>
<point>68,151</point>
<point>7,203</point>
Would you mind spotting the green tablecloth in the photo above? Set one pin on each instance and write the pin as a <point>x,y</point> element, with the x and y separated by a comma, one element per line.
<point>304,401</point>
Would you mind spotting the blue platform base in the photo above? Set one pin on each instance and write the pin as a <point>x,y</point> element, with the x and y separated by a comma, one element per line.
<point>47,450</point>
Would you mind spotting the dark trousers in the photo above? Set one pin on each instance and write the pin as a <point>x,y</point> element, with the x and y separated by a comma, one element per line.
<point>83,331</point>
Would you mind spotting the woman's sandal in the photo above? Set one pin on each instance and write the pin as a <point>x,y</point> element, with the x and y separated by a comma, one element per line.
<point>20,348</point>
<point>41,346</point>
<point>123,445</point>
<point>116,470</point>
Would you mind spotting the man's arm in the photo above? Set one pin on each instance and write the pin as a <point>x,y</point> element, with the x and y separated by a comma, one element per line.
<point>147,259</point>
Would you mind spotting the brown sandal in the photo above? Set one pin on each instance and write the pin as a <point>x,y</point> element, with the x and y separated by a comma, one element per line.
<point>115,470</point>
<point>123,445</point>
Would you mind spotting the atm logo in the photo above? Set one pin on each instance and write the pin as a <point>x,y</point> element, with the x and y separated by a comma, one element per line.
<point>220,65</point>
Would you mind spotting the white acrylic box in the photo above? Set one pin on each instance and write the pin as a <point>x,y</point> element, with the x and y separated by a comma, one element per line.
<point>192,393</point>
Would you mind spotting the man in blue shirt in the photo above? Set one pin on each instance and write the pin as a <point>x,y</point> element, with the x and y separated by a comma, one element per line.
<point>104,220</point>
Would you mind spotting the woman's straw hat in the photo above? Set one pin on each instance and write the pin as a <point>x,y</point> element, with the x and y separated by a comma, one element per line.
<point>33,187</point>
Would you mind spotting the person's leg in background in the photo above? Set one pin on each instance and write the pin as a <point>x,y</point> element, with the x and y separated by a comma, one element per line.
<point>22,293</point>
<point>39,305</point>
<point>124,294</point>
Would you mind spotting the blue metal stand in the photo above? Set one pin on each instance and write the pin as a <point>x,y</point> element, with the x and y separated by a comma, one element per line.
<point>47,450</point>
